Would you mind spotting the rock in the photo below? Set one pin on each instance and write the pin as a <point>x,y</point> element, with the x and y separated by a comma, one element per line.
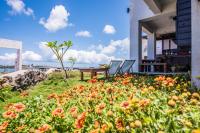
<point>23,80</point>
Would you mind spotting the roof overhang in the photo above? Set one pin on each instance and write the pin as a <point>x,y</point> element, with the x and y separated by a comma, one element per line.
<point>160,24</point>
<point>154,5</point>
<point>159,6</point>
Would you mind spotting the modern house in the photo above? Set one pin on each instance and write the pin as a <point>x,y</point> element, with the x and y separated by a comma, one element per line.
<point>12,44</point>
<point>173,36</point>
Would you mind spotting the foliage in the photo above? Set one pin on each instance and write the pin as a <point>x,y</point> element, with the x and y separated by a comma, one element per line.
<point>73,61</point>
<point>5,93</point>
<point>60,50</point>
<point>128,104</point>
<point>54,83</point>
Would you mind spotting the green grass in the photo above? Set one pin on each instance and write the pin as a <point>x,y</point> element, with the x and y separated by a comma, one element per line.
<point>53,84</point>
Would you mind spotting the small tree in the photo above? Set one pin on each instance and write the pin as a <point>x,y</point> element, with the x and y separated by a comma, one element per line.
<point>60,50</point>
<point>72,60</point>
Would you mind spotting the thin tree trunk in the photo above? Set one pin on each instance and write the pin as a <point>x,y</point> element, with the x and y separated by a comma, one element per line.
<point>66,76</point>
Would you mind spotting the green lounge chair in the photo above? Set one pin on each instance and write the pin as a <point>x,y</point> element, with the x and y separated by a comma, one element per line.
<point>114,67</point>
<point>126,67</point>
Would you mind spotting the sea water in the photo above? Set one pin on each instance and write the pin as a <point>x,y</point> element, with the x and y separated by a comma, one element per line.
<point>7,70</point>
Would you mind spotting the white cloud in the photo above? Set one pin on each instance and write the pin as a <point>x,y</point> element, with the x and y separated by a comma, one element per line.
<point>27,56</point>
<point>31,56</point>
<point>8,57</point>
<point>88,56</point>
<point>95,54</point>
<point>122,45</point>
<point>57,20</point>
<point>82,56</point>
<point>83,34</point>
<point>45,50</point>
<point>109,29</point>
<point>18,7</point>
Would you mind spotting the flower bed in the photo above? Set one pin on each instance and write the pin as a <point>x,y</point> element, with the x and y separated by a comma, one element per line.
<point>128,104</point>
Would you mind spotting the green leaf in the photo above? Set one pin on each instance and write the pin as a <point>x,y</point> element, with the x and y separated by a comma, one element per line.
<point>2,99</point>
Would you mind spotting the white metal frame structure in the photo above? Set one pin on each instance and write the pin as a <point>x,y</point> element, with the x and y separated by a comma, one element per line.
<point>12,44</point>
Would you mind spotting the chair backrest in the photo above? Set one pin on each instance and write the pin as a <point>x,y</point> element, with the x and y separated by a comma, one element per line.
<point>126,66</point>
<point>114,67</point>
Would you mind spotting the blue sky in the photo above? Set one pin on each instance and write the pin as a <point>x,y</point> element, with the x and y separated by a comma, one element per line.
<point>99,29</point>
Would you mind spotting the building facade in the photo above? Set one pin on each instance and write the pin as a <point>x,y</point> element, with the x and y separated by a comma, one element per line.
<point>171,26</point>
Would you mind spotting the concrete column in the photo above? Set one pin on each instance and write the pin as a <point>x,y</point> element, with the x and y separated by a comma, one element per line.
<point>136,31</point>
<point>18,62</point>
<point>134,41</point>
<point>195,42</point>
<point>136,45</point>
<point>151,46</point>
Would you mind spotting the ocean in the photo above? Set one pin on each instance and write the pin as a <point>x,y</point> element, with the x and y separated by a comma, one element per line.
<point>7,70</point>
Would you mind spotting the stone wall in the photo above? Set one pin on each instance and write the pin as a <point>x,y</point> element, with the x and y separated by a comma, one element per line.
<point>24,80</point>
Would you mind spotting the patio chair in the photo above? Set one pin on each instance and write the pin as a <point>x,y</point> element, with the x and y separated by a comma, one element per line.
<point>126,66</point>
<point>114,67</point>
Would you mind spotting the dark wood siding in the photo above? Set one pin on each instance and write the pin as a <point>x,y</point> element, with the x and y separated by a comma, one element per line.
<point>183,23</point>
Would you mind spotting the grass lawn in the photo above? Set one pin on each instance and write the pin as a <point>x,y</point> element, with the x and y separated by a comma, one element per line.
<point>131,104</point>
<point>54,84</point>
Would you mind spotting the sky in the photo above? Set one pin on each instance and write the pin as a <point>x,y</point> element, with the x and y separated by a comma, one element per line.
<point>99,29</point>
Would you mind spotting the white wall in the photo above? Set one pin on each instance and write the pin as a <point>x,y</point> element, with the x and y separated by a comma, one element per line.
<point>138,10</point>
<point>195,41</point>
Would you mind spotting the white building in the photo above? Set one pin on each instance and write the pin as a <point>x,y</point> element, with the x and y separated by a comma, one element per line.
<point>172,28</point>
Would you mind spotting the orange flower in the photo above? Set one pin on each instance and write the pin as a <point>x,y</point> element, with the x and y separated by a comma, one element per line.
<point>10,114</point>
<point>8,106</point>
<point>110,113</point>
<point>95,131</point>
<point>18,107</point>
<point>126,81</point>
<point>119,124</point>
<point>81,88</point>
<point>102,106</point>
<point>73,109</point>
<point>93,95</point>
<point>104,128</point>
<point>125,104</point>
<point>79,123</point>
<point>138,124</point>
<point>18,129</point>
<point>94,80</point>
<point>171,103</point>
<point>196,131</point>
<point>169,82</point>
<point>24,94</point>
<point>58,112</point>
<point>3,126</point>
<point>74,112</point>
<point>110,90</point>
<point>43,128</point>
<point>96,124</point>
<point>52,96</point>
<point>144,102</point>
<point>160,78</point>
